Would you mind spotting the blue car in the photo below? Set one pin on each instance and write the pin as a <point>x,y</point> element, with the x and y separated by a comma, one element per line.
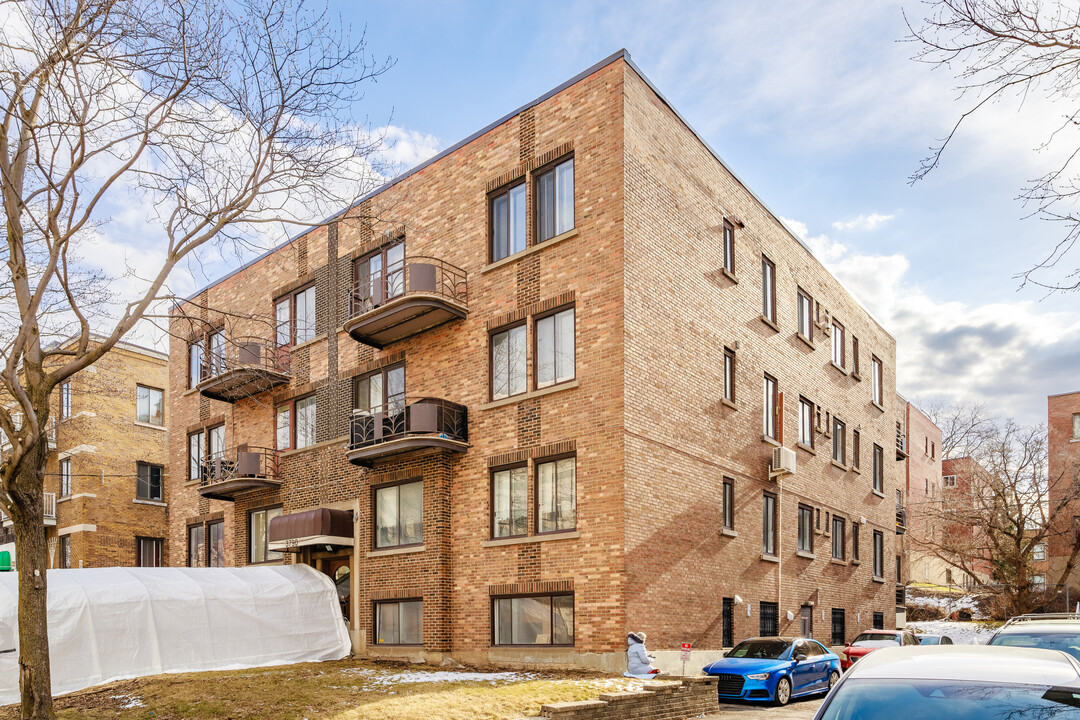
<point>775,669</point>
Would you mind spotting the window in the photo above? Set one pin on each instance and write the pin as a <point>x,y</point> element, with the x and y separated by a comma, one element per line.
<point>770,408</point>
<point>379,277</point>
<point>216,531</point>
<point>304,423</point>
<point>534,620</point>
<point>149,405</point>
<point>838,538</point>
<point>381,391</point>
<point>729,375</point>
<point>729,503</point>
<point>806,422</point>
<point>283,427</point>
<point>556,495</point>
<point>195,363</point>
<point>854,356</point>
<point>933,451</point>
<point>555,201</point>
<point>295,317</point>
<point>768,525</point>
<point>855,449</point>
<point>879,621</point>
<point>806,529</point>
<point>879,468</point>
<point>65,477</point>
<point>839,629</point>
<point>899,568</point>
<point>399,623</point>
<point>508,362</point>
<point>727,622</point>
<point>215,445</point>
<point>399,515</point>
<point>510,502</point>
<point>839,442</point>
<point>879,554</point>
<point>806,323</point>
<point>926,444</point>
<point>259,535</point>
<point>768,619</point>
<point>838,343</point>
<point>148,552</point>
<point>65,401</point>
<point>196,546</point>
<point>1038,553</point>
<point>1076,425</point>
<point>65,551</point>
<point>148,486</point>
<point>854,541</point>
<point>1039,582</point>
<point>729,246</point>
<point>555,348</point>
<point>508,222</point>
<point>768,289</point>
<point>948,481</point>
<point>216,354</point>
<point>876,380</point>
<point>196,453</point>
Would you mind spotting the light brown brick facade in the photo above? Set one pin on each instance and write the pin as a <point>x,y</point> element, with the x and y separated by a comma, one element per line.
<point>643,416</point>
<point>924,494</point>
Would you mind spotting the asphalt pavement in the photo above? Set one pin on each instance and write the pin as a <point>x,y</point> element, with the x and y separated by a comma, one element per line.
<point>795,710</point>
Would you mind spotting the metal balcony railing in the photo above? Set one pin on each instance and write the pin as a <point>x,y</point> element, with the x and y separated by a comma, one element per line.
<point>407,424</point>
<point>417,274</point>
<point>901,520</point>
<point>901,446</point>
<point>241,462</point>
<point>240,367</point>
<point>48,500</point>
<point>901,595</point>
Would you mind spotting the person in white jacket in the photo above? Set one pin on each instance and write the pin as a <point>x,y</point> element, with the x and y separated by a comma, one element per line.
<point>638,663</point>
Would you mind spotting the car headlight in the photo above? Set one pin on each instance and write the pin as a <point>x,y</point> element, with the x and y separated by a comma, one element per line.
<point>843,656</point>
<point>758,676</point>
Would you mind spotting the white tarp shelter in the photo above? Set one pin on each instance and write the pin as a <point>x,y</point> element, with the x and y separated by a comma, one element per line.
<point>108,624</point>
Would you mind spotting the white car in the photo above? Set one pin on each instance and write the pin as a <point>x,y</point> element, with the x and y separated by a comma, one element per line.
<point>958,683</point>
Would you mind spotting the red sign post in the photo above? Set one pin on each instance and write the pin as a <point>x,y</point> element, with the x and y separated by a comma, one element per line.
<point>685,655</point>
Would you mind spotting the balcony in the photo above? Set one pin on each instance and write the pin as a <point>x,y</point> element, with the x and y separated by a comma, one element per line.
<point>50,512</point>
<point>404,426</point>
<point>901,520</point>
<point>405,299</point>
<point>901,446</point>
<point>901,595</point>
<point>243,367</point>
<point>239,470</point>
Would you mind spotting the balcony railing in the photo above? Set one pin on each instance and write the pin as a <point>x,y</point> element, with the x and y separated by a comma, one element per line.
<point>239,470</point>
<point>405,425</point>
<point>50,432</point>
<point>406,298</point>
<point>901,595</point>
<point>242,367</point>
<point>49,500</point>
<point>901,446</point>
<point>901,520</point>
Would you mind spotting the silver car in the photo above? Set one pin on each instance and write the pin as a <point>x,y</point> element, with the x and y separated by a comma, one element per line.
<point>958,683</point>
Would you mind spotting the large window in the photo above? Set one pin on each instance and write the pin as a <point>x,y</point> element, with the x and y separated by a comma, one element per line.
<point>148,551</point>
<point>508,222</point>
<point>399,622</point>
<point>259,534</point>
<point>839,442</point>
<point>555,200</point>
<point>148,486</point>
<point>876,379</point>
<point>295,317</point>
<point>838,538</point>
<point>768,619</point>
<point>806,422</point>
<point>534,620</point>
<point>380,276</point>
<point>65,477</point>
<point>729,503</point>
<point>196,454</point>
<point>768,524</point>
<point>768,289</point>
<point>216,354</point>
<point>195,363</point>
<point>149,405</point>
<point>806,320</point>
<point>768,419</point>
<point>806,529</point>
<point>295,423</point>
<point>838,343</point>
<point>729,375</point>
<point>555,348</point>
<point>399,515</point>
<point>383,390</point>
<point>879,468</point>
<point>196,556</point>
<point>510,502</point>
<point>65,551</point>
<point>729,246</point>
<point>216,531</point>
<point>508,362</point>
<point>65,401</point>
<point>879,554</point>
<point>556,495</point>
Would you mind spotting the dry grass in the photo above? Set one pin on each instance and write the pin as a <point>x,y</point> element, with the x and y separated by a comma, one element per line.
<point>342,690</point>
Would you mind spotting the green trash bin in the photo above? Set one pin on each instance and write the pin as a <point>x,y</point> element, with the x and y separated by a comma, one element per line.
<point>5,561</point>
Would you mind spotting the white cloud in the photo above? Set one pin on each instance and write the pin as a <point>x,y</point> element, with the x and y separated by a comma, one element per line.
<point>863,222</point>
<point>404,148</point>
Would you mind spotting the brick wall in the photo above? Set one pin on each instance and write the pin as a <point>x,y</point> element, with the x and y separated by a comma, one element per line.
<point>1064,466</point>
<point>924,492</point>
<point>691,697</point>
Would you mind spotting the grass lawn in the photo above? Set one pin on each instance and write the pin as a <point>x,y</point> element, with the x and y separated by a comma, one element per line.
<point>342,690</point>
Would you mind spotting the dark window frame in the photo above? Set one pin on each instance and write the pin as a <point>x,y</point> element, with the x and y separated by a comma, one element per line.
<point>805,514</point>
<point>491,360</point>
<point>806,403</point>
<point>250,557</point>
<point>65,478</point>
<point>210,546</point>
<point>729,375</point>
<point>768,532</point>
<point>202,455</point>
<point>839,440</point>
<point>801,296</point>
<point>395,601</point>
<point>384,373</point>
<point>536,492</point>
<point>855,450</point>
<point>572,307</point>
<point>64,411</point>
<point>727,504</point>
<point>765,619</point>
<point>877,381</point>
<point>728,241</point>
<point>839,541</point>
<point>290,297</point>
<point>551,596</point>
<point>291,404</point>
<point>533,195</point>
<point>504,190</point>
<point>160,551</point>
<point>381,252</point>
<point>855,356</point>
<point>149,414</point>
<point>839,622</point>
<point>837,325</point>
<point>879,554</point>
<point>771,402</point>
<point>196,370</point>
<point>879,468</point>
<point>65,552</point>
<point>854,540</point>
<point>191,553</point>
<point>492,472</point>
<point>375,512</point>
<point>149,480</point>
<point>768,289</point>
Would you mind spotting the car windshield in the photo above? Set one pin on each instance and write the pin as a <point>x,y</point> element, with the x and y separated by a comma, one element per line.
<point>1065,642</point>
<point>873,699</point>
<point>760,649</point>
<point>864,637</point>
<point>929,640</point>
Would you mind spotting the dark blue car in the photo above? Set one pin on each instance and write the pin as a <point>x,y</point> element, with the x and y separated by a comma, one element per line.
<point>775,669</point>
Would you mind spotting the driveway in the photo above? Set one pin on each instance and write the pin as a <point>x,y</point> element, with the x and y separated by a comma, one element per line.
<point>795,710</point>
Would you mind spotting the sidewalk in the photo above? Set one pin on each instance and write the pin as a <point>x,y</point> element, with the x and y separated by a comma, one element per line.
<point>796,710</point>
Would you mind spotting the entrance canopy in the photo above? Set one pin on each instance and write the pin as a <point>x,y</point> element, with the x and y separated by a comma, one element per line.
<point>322,526</point>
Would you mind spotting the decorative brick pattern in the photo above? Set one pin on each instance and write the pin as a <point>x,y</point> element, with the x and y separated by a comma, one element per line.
<point>526,134</point>
<point>533,587</point>
<point>528,280</point>
<point>528,422</point>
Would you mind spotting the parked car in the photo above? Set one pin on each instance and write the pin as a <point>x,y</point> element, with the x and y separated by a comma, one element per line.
<point>1051,631</point>
<point>775,669</point>
<point>959,683</point>
<point>870,640</point>
<point>934,639</point>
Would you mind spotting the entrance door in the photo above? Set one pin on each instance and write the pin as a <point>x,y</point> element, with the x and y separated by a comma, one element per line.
<point>806,626</point>
<point>339,569</point>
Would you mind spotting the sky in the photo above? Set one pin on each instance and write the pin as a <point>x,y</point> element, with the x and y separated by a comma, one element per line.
<point>819,107</point>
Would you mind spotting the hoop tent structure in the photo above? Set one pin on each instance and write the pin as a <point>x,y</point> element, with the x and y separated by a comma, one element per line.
<point>109,624</point>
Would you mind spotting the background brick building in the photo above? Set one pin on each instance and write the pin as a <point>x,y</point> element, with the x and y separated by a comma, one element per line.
<point>627,335</point>
<point>924,495</point>
<point>1063,424</point>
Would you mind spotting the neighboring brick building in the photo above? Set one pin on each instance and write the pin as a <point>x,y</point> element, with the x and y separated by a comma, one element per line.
<point>961,480</point>
<point>105,499</point>
<point>552,412</point>
<point>924,494</point>
<point>1063,422</point>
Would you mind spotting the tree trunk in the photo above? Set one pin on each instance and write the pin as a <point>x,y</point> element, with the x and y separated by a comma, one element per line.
<point>32,561</point>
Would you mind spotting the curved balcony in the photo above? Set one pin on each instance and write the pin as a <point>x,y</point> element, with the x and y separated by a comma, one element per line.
<point>242,367</point>
<point>238,470</point>
<point>405,299</point>
<point>404,426</point>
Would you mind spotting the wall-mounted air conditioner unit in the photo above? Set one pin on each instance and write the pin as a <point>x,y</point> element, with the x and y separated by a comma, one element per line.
<point>783,462</point>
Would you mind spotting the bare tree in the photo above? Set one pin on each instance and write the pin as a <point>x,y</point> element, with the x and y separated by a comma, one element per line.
<point>225,118</point>
<point>965,426</point>
<point>1015,50</point>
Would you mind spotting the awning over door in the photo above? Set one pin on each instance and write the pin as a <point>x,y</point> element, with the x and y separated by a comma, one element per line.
<point>322,526</point>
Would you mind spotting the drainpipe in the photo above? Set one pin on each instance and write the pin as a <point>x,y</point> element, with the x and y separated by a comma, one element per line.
<point>779,555</point>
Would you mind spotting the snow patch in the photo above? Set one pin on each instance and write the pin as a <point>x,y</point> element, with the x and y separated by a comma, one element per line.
<point>386,680</point>
<point>961,633</point>
<point>127,702</point>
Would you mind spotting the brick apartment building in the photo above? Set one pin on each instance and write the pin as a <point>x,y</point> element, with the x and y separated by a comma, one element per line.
<point>962,479</point>
<point>105,502</point>
<point>526,397</point>
<point>924,493</point>
<point>1063,423</point>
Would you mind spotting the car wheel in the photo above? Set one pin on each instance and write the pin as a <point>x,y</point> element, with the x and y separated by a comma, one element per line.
<point>833,679</point>
<point>783,692</point>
